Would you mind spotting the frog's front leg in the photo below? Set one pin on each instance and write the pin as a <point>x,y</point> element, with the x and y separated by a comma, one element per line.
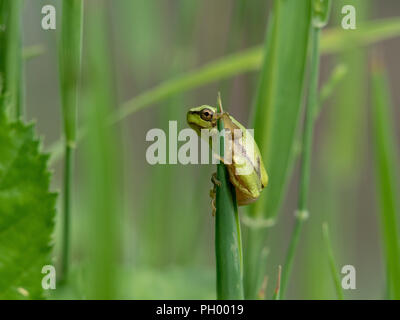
<point>218,115</point>
<point>213,191</point>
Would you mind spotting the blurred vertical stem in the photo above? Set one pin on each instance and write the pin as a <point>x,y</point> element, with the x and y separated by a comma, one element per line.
<point>276,116</point>
<point>344,133</point>
<point>387,175</point>
<point>181,229</point>
<point>331,260</point>
<point>102,161</point>
<point>336,76</point>
<point>11,57</point>
<point>228,242</point>
<point>70,49</point>
<point>320,14</point>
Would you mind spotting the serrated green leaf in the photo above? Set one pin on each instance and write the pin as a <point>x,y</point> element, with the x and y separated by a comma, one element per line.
<point>27,210</point>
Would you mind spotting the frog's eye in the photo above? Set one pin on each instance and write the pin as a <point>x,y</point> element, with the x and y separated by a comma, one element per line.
<point>206,114</point>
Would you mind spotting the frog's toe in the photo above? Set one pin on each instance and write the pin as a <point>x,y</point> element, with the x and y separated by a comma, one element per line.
<point>214,180</point>
<point>212,194</point>
<point>214,208</point>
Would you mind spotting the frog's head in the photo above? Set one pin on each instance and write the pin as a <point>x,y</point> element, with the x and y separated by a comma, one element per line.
<point>202,117</point>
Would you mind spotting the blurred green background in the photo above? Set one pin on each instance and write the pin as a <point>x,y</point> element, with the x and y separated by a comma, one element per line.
<point>164,231</point>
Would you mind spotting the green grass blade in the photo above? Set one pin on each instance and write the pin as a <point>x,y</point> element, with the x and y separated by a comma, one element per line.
<point>326,92</point>
<point>387,176</point>
<point>337,75</point>
<point>277,110</point>
<point>228,243</point>
<point>70,48</point>
<point>279,97</point>
<point>220,69</point>
<point>11,64</point>
<point>277,293</point>
<point>250,60</point>
<point>344,133</point>
<point>101,163</point>
<point>332,262</point>
<point>319,21</point>
<point>245,61</point>
<point>337,39</point>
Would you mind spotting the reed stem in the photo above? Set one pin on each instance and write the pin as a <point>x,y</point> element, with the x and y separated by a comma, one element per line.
<point>228,242</point>
<point>302,208</point>
<point>332,262</point>
<point>70,49</point>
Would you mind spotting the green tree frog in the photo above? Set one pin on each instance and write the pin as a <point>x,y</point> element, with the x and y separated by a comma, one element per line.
<point>248,186</point>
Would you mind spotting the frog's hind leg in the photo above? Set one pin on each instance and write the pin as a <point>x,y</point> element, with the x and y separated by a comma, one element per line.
<point>244,195</point>
<point>213,192</point>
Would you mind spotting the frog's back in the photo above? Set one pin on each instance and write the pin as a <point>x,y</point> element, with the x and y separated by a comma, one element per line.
<point>248,186</point>
<point>259,164</point>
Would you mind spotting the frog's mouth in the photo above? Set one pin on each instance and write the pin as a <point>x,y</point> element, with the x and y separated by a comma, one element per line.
<point>193,119</point>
